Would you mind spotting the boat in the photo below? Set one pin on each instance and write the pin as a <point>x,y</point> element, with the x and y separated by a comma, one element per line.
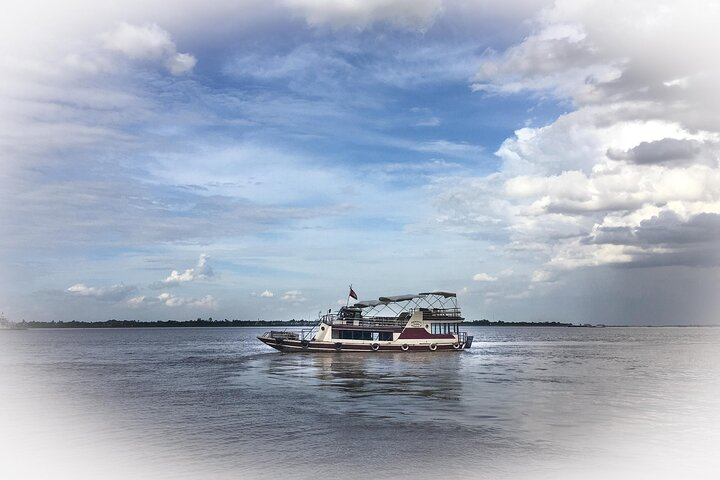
<point>424,322</point>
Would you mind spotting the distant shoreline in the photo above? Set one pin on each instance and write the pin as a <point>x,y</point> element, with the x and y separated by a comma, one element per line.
<point>209,323</point>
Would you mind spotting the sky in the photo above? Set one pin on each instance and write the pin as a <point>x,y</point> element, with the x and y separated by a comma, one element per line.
<point>547,161</point>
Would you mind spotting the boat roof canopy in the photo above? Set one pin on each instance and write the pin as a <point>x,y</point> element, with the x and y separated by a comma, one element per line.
<point>441,294</point>
<point>400,298</point>
<point>368,303</point>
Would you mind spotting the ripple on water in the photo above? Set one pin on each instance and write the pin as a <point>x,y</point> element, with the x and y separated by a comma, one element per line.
<point>225,405</point>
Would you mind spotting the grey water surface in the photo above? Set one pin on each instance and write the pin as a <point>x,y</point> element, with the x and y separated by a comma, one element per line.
<point>535,402</point>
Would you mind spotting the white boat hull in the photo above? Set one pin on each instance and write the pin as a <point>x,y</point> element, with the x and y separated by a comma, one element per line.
<point>289,345</point>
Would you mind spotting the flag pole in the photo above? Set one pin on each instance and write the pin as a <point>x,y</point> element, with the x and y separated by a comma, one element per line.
<point>347,302</point>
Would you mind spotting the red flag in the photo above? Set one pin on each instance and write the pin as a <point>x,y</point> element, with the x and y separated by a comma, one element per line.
<point>353,294</point>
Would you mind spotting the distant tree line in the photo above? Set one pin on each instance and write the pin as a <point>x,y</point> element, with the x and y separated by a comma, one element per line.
<point>169,323</point>
<point>500,323</point>
<point>200,322</point>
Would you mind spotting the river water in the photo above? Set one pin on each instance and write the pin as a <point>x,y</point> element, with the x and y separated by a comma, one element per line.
<point>214,403</point>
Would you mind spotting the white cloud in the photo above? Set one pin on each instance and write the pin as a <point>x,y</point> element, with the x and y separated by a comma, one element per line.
<point>559,59</point>
<point>202,271</point>
<point>149,42</point>
<point>267,294</point>
<point>294,296</point>
<point>140,41</point>
<point>555,213</point>
<point>180,63</point>
<point>484,277</point>
<point>140,300</point>
<point>113,294</point>
<point>171,300</point>
<point>639,155</point>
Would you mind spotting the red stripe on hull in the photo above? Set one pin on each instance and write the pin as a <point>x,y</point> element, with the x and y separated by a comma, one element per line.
<point>422,334</point>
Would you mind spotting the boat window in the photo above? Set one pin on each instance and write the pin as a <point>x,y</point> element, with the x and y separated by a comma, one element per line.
<point>444,328</point>
<point>361,335</point>
<point>342,334</point>
<point>385,336</point>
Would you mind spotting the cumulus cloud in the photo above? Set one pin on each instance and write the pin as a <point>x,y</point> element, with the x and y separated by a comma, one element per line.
<point>149,42</point>
<point>484,277</point>
<point>114,293</point>
<point>263,294</point>
<point>659,151</point>
<point>174,301</point>
<point>553,214</point>
<point>202,271</point>
<point>180,63</point>
<point>170,300</point>
<point>632,173</point>
<point>136,302</point>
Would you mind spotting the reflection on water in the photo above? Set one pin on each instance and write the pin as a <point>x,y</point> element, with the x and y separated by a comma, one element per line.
<point>376,375</point>
<point>533,402</point>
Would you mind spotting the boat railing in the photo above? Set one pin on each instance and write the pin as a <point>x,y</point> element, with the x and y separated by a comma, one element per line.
<point>399,320</point>
<point>366,321</point>
<point>384,321</point>
<point>284,334</point>
<point>308,333</point>
<point>444,312</point>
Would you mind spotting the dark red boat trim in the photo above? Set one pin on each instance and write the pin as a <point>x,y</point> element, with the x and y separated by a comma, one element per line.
<point>421,334</point>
